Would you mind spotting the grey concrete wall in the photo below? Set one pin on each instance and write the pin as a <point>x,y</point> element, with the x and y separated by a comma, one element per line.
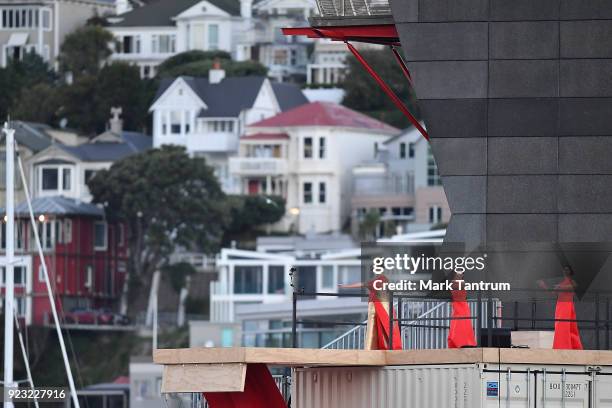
<point>517,98</point>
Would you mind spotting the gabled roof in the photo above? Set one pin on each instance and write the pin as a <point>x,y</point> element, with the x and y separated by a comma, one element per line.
<point>325,114</point>
<point>289,96</point>
<point>59,205</point>
<point>132,143</point>
<point>159,13</point>
<point>234,94</point>
<point>32,135</point>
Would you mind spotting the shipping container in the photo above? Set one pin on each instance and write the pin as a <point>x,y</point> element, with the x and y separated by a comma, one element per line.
<point>453,386</point>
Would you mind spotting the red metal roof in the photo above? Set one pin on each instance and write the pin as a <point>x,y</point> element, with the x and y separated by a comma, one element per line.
<point>325,114</point>
<point>265,136</point>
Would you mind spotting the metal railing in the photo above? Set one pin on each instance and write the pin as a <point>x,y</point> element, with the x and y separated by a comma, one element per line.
<point>353,8</point>
<point>415,334</point>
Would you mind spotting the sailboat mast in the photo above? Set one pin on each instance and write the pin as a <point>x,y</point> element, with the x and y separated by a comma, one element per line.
<point>9,283</point>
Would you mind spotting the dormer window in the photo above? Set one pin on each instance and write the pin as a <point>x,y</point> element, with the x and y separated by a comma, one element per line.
<point>55,179</point>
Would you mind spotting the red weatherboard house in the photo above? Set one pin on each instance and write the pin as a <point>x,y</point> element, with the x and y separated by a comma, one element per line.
<point>85,256</point>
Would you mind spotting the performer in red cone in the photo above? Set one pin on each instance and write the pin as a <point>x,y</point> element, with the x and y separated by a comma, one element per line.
<point>377,329</point>
<point>461,333</point>
<point>567,335</point>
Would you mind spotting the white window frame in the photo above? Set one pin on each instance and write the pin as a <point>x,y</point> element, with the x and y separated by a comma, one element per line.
<point>105,246</point>
<point>67,231</point>
<point>60,179</point>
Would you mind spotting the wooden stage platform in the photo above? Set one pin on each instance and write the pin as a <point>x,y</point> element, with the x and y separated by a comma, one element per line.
<point>224,369</point>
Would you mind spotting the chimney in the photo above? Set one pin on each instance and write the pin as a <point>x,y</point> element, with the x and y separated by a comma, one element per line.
<point>216,73</point>
<point>116,123</point>
<point>246,8</point>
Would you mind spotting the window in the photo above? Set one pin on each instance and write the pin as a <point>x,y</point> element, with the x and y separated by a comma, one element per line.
<point>50,179</point>
<point>55,178</point>
<point>322,152</point>
<point>280,57</point>
<point>411,150</point>
<point>213,36</point>
<point>327,278</point>
<point>402,150</point>
<point>308,147</point>
<point>41,274</point>
<point>19,275</point>
<point>435,214</point>
<point>248,279</point>
<point>322,192</point>
<point>129,44</point>
<point>433,177</point>
<point>66,177</point>
<point>121,235</point>
<point>276,279</point>
<point>175,123</point>
<point>67,231</point>
<point>100,236</point>
<point>89,276</point>
<point>163,44</point>
<point>25,17</point>
<point>307,193</point>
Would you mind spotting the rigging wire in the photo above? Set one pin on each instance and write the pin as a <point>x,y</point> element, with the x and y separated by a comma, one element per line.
<point>26,360</point>
<point>43,264</point>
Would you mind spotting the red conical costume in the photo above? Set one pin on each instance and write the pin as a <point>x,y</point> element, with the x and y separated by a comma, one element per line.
<point>567,335</point>
<point>461,333</point>
<point>377,330</point>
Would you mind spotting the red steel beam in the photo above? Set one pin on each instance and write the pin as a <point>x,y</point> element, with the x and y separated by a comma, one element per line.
<point>394,98</point>
<point>402,64</point>
<point>376,34</point>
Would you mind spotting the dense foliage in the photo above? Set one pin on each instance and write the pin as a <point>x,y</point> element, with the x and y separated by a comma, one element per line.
<point>364,95</point>
<point>168,199</point>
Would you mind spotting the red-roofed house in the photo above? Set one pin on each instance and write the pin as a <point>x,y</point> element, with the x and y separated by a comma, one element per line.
<point>306,155</point>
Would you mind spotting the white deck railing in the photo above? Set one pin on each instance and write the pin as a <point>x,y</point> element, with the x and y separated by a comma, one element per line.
<point>414,336</point>
<point>353,8</point>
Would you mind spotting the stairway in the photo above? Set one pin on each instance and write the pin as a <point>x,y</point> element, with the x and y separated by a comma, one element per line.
<point>414,336</point>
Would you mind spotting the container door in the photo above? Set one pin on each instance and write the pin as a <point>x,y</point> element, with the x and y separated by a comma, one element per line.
<point>603,391</point>
<point>557,390</point>
<point>508,390</point>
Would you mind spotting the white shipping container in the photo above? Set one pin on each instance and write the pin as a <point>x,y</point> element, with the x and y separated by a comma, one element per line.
<point>452,386</point>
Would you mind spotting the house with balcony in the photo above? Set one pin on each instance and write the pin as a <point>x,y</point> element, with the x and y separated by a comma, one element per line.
<point>306,155</point>
<point>285,57</point>
<point>401,185</point>
<point>147,35</point>
<point>208,115</point>
<point>41,26</point>
<point>262,277</point>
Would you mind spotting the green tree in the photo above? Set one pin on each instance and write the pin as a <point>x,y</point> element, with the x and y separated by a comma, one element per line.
<point>119,84</point>
<point>188,57</point>
<point>247,213</point>
<point>78,104</point>
<point>20,76</point>
<point>363,94</point>
<point>84,50</point>
<point>367,227</point>
<point>198,63</point>
<point>167,199</point>
<point>38,103</point>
